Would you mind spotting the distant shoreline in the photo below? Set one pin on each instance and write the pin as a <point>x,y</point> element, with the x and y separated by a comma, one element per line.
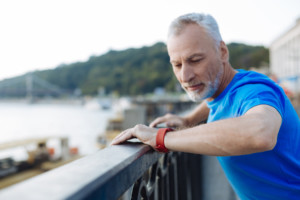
<point>63,101</point>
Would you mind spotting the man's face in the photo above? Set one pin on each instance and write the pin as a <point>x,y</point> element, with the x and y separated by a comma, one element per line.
<point>196,63</point>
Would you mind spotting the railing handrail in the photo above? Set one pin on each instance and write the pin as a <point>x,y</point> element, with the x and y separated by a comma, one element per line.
<point>107,173</point>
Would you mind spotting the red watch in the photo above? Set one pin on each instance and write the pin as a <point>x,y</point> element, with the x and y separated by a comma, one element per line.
<point>160,139</point>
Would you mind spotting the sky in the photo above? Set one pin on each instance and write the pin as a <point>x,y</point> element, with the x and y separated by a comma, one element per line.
<point>38,35</point>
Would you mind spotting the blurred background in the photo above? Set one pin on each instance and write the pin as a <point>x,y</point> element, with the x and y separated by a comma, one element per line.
<point>73,74</point>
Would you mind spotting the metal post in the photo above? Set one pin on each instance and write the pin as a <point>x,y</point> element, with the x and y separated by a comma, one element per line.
<point>29,87</point>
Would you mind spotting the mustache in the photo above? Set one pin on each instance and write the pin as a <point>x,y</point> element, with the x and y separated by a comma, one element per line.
<point>192,83</point>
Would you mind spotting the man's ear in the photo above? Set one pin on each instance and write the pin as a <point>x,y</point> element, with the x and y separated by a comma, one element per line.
<point>224,51</point>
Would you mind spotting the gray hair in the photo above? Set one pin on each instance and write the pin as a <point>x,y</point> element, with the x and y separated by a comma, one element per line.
<point>203,20</point>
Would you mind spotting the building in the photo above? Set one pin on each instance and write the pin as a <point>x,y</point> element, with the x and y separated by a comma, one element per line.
<point>285,59</point>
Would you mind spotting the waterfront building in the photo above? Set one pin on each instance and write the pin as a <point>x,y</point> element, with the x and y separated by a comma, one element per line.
<point>285,59</point>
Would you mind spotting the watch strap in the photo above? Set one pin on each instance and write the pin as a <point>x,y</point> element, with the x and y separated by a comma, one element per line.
<point>160,139</point>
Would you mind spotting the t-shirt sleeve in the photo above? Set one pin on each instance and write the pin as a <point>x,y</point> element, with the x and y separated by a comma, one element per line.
<point>260,94</point>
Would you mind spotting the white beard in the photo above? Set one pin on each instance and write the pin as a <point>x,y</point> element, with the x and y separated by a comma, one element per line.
<point>198,96</point>
<point>209,90</point>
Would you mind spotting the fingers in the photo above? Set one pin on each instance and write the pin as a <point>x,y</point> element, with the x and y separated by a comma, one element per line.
<point>168,120</point>
<point>143,133</point>
<point>122,137</point>
<point>157,121</point>
<point>172,124</point>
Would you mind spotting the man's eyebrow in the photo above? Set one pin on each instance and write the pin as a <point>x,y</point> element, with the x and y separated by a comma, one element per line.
<point>189,58</point>
<point>195,55</point>
<point>173,61</point>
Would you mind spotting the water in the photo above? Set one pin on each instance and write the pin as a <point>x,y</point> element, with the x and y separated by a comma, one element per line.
<point>25,121</point>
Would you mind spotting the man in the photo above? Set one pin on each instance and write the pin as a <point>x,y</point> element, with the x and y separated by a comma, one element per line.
<point>251,125</point>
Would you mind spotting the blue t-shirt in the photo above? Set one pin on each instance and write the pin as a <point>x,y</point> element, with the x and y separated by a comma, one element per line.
<point>271,174</point>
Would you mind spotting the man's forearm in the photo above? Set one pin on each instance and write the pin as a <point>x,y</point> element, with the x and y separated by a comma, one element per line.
<point>198,115</point>
<point>235,136</point>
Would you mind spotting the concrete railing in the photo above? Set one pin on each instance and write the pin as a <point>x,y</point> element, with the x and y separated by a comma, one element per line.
<point>127,171</point>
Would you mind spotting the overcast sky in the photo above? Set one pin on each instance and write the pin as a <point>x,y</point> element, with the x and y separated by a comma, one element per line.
<point>37,34</point>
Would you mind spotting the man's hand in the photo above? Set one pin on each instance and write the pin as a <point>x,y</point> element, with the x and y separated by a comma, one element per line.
<point>144,133</point>
<point>170,120</point>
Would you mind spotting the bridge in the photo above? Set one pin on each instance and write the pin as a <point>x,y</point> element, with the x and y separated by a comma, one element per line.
<point>29,86</point>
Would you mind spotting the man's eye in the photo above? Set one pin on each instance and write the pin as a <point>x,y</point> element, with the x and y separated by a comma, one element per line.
<point>177,65</point>
<point>197,60</point>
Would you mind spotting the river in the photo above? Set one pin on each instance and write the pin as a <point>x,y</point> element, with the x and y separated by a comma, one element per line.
<point>81,125</point>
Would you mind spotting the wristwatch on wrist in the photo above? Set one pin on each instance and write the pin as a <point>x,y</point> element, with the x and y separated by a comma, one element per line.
<point>160,139</point>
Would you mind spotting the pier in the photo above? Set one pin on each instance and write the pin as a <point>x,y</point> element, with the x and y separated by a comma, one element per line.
<point>155,107</point>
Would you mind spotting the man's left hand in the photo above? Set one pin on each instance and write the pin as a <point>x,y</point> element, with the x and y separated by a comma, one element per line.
<point>144,133</point>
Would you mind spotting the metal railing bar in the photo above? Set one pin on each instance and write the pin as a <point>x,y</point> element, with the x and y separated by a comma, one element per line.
<point>108,172</point>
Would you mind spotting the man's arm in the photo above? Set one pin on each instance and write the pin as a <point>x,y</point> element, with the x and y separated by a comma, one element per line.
<point>198,115</point>
<point>256,131</point>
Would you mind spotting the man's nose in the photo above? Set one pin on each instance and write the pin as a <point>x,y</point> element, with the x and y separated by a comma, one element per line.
<point>187,73</point>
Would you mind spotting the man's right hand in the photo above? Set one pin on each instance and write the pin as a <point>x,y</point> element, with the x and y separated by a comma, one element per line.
<point>170,120</point>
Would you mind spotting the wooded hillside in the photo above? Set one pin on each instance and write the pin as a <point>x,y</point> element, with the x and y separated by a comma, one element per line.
<point>137,71</point>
